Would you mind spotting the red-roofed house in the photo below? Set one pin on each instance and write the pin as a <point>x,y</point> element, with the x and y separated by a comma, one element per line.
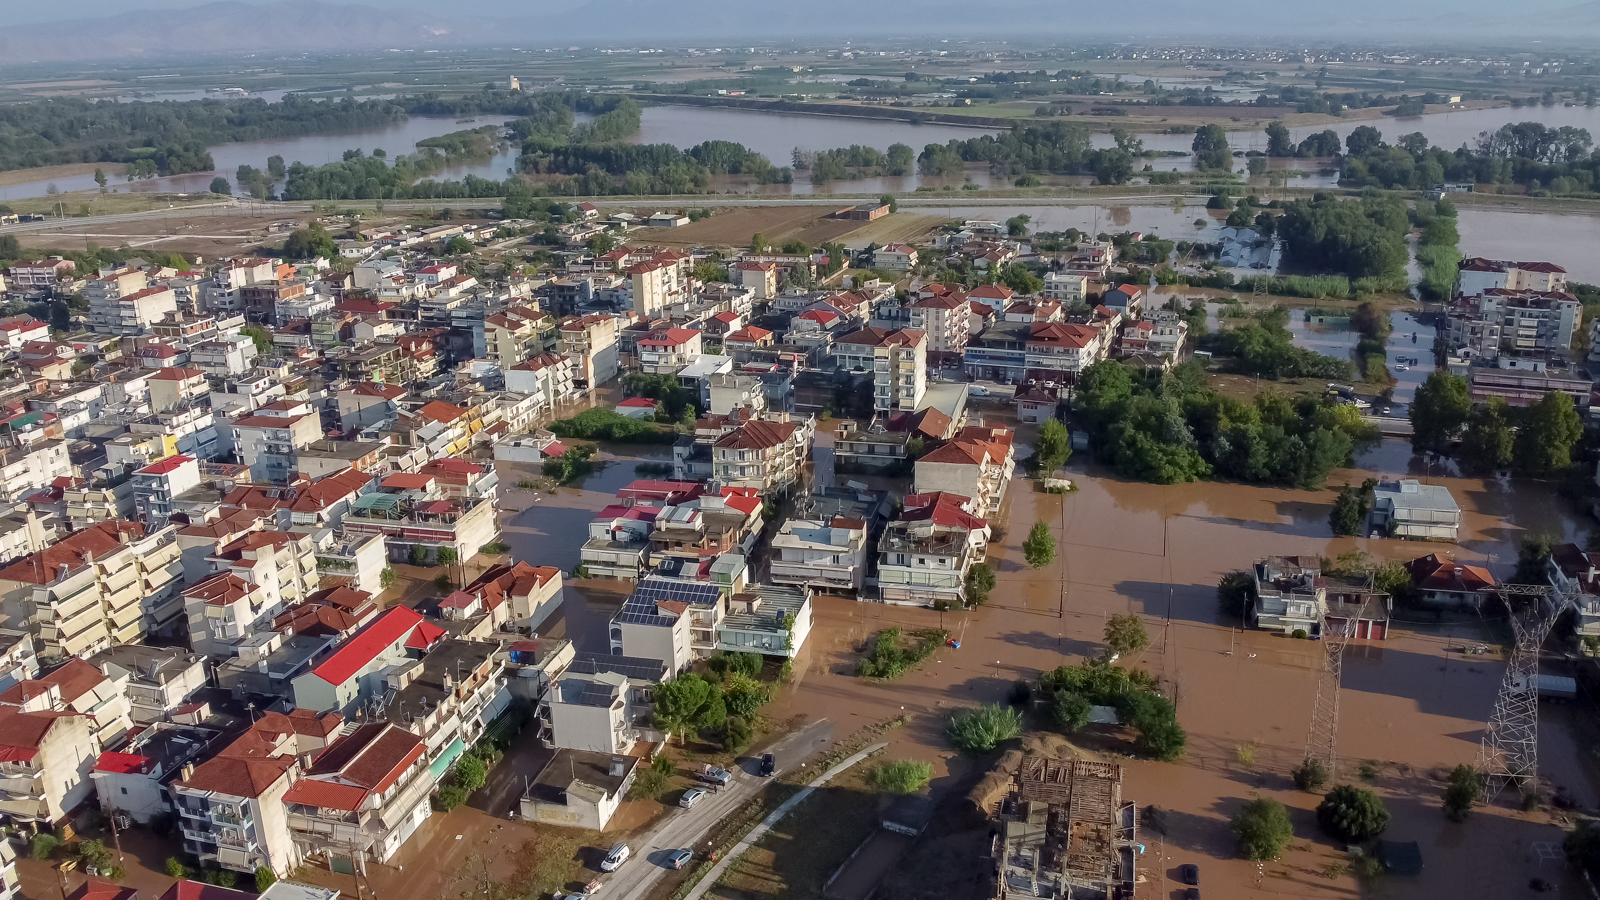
<point>1474,275</point>
<point>81,688</point>
<point>1065,346</point>
<point>895,257</point>
<point>977,463</point>
<point>184,889</point>
<point>366,794</point>
<point>517,333</point>
<point>525,594</point>
<point>665,352</point>
<point>747,338</point>
<point>637,408</point>
<point>94,889</point>
<point>18,330</point>
<point>924,556</point>
<point>761,454</point>
<point>269,439</point>
<point>760,277</point>
<point>722,323</point>
<point>354,672</point>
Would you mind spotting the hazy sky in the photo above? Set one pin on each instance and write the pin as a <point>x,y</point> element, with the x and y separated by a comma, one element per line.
<point>1052,17</point>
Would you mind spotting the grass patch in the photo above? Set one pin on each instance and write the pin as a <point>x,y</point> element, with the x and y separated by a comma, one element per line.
<point>900,776</point>
<point>550,859</point>
<point>891,656</point>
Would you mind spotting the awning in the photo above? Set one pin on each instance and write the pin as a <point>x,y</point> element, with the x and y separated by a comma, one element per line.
<point>447,759</point>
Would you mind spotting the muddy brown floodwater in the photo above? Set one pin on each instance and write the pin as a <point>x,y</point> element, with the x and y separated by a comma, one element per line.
<point>1408,704</point>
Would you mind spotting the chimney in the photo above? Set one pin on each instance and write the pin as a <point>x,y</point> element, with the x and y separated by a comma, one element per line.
<point>187,772</point>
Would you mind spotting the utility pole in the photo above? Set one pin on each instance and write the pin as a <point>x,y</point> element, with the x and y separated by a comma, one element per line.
<point>116,834</point>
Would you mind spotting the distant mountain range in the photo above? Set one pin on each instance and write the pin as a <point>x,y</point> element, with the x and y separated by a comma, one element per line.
<point>321,26</point>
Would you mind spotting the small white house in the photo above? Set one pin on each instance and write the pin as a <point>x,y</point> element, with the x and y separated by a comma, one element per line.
<point>666,220</point>
<point>638,408</point>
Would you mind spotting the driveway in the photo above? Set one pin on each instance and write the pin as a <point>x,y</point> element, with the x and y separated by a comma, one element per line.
<point>688,827</point>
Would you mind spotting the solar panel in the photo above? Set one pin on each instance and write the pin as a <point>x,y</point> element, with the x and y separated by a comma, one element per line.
<point>652,589</point>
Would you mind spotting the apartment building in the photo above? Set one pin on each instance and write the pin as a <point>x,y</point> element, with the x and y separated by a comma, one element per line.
<point>977,463</point>
<point>40,275</point>
<point>1500,320</point>
<point>1407,508</point>
<point>355,672</point>
<point>101,586</point>
<point>255,577</point>
<point>78,686</point>
<point>666,352</point>
<point>176,387</point>
<point>225,356</point>
<point>1066,288</point>
<point>1475,275</point>
<point>591,342</point>
<point>619,542</point>
<point>519,333</point>
<point>528,593</point>
<point>925,554</point>
<point>157,680</point>
<point>895,257</point>
<point>898,361</point>
<point>760,278</point>
<point>601,704</point>
<point>548,376</point>
<point>762,455</point>
<point>45,762</point>
<point>1292,595</point>
<point>363,796</point>
<point>824,555</point>
<point>231,808</point>
<point>1574,571</point>
<point>707,526</point>
<point>269,439</point>
<point>16,331</point>
<point>946,320</point>
<point>367,403</point>
<point>418,518</point>
<point>1158,336</point>
<point>25,469</point>
<point>157,487</point>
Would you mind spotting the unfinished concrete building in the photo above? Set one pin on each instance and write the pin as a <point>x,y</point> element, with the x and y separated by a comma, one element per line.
<point>1065,833</point>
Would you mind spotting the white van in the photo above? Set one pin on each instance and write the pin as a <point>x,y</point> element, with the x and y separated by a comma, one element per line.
<point>614,860</point>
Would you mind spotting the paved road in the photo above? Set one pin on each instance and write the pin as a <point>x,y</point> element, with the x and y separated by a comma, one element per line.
<point>772,819</point>
<point>688,827</point>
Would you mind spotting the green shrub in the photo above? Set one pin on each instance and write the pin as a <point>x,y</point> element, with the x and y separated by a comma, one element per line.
<point>1263,829</point>
<point>1352,814</point>
<point>176,868</point>
<point>1310,775</point>
<point>1466,788</point>
<point>901,776</point>
<point>888,659</point>
<point>980,730</point>
<point>605,424</point>
<point>44,844</point>
<point>736,735</point>
<point>265,878</point>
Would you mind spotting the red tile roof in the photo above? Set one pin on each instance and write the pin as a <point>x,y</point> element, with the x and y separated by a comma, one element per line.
<point>750,334</point>
<point>373,389</point>
<point>943,509</point>
<point>397,624</point>
<point>166,466</point>
<point>883,337</point>
<point>672,337</point>
<point>70,554</point>
<point>756,435</point>
<point>124,763</point>
<point>408,481</point>
<point>75,678</point>
<point>103,890</point>
<point>177,373</point>
<point>639,403</point>
<point>440,411</point>
<point>184,889</point>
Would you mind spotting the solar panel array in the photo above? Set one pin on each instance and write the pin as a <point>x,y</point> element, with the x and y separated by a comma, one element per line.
<point>692,592</point>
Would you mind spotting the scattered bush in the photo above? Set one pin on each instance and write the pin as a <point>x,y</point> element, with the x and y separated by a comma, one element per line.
<point>736,735</point>
<point>44,844</point>
<point>888,659</point>
<point>980,730</point>
<point>1310,775</point>
<point>1263,829</point>
<point>1465,789</point>
<point>605,424</point>
<point>901,776</point>
<point>176,868</point>
<point>265,878</point>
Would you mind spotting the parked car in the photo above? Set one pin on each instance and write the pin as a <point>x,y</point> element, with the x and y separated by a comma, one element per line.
<point>978,390</point>
<point>677,859</point>
<point>769,765</point>
<point>690,798</point>
<point>714,774</point>
<point>615,858</point>
<point>1400,367</point>
<point>587,892</point>
<point>1190,874</point>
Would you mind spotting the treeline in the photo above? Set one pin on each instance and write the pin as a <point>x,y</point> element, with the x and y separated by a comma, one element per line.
<point>1265,347</point>
<point>1054,148</point>
<point>1437,249</point>
<point>1493,436</point>
<point>1169,428</point>
<point>360,177</point>
<point>1544,159</point>
<point>1360,237</point>
<point>854,161</point>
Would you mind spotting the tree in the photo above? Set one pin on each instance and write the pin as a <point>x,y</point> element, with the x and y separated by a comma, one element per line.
<point>1263,829</point>
<point>446,556</point>
<point>759,243</point>
<point>1279,143</point>
<point>1550,429</point>
<point>175,868</point>
<point>1125,635</point>
<point>686,702</point>
<point>312,241</point>
<point>1310,775</point>
<point>1017,226</point>
<point>277,170</point>
<point>1021,279</point>
<point>1352,814</point>
<point>1052,448</point>
<point>265,878</point>
<point>1349,510</point>
<point>1439,409</point>
<point>470,772</point>
<point>736,735</point>
<point>602,243</point>
<point>386,578</point>
<point>1070,711</point>
<point>458,246</point>
<point>980,730</point>
<point>1488,443</point>
<point>980,581</point>
<point>100,178</point>
<point>1040,547</point>
<point>1235,591</point>
<point>1363,139</point>
<point>744,696</point>
<point>889,201</point>
<point>1211,150</point>
<point>1533,559</point>
<point>260,337</point>
<point>1464,790</point>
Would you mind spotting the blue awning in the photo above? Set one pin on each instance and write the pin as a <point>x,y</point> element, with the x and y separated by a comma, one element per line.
<point>447,759</point>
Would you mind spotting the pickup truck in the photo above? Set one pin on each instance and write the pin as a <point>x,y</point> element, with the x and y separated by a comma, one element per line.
<point>714,774</point>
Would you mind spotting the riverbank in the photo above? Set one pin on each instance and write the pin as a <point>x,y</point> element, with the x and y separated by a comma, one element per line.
<point>114,173</point>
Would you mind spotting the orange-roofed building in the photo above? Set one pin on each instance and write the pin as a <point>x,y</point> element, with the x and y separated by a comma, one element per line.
<point>665,352</point>
<point>924,555</point>
<point>366,793</point>
<point>47,756</point>
<point>977,463</point>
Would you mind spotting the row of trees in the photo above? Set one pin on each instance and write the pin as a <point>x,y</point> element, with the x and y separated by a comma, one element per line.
<point>1559,159</point>
<point>1360,237</point>
<point>1058,148</point>
<point>1169,428</point>
<point>1536,440</point>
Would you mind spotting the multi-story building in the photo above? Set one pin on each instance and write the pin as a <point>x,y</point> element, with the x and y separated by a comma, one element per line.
<point>1067,288</point>
<point>176,387</point>
<point>448,697</point>
<point>106,584</point>
<point>761,455</point>
<point>977,463</point>
<point>1475,275</point>
<point>925,554</point>
<point>363,796</point>
<point>45,760</point>
<point>103,292</point>
<point>78,686</point>
<point>666,352</point>
<point>528,593</point>
<point>828,556</point>
<point>135,313</point>
<point>1501,320</point>
<point>547,376</point>
<point>707,526</point>
<point>517,334</point>
<point>226,356</point>
<point>158,485</point>
<point>25,469</point>
<point>895,257</point>
<point>601,704</point>
<point>41,275</point>
<point>354,673</point>
<point>1410,509</point>
<point>367,403</point>
<point>619,542</point>
<point>231,808</point>
<point>158,680</point>
<point>254,578</point>
<point>269,439</point>
<point>1159,335</point>
<point>1292,595</point>
<point>591,342</point>
<point>418,519</point>
<point>898,361</point>
<point>947,320</point>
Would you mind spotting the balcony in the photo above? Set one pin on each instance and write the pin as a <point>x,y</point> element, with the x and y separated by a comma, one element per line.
<point>223,818</point>
<point>236,841</point>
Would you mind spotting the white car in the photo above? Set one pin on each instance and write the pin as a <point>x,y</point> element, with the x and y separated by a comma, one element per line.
<point>690,798</point>
<point>1401,367</point>
<point>614,859</point>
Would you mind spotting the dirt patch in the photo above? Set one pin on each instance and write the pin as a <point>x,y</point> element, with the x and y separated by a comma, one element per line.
<point>808,223</point>
<point>45,173</point>
<point>800,853</point>
<point>899,227</point>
